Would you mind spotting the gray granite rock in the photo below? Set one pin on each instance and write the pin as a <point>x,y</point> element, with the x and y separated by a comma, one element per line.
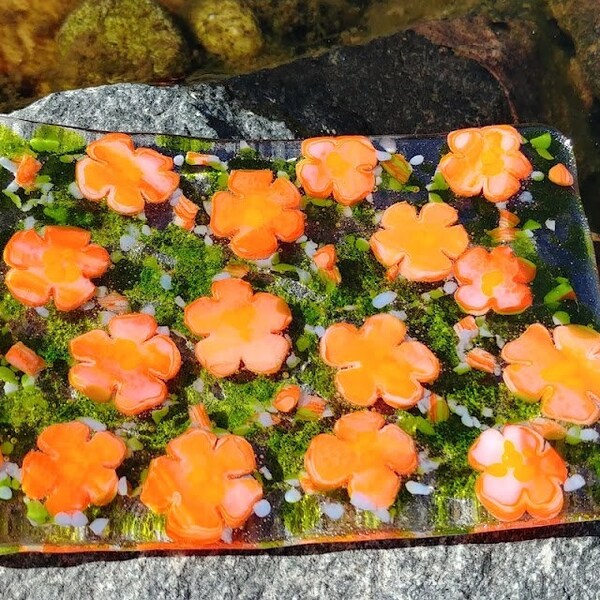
<point>557,569</point>
<point>401,84</point>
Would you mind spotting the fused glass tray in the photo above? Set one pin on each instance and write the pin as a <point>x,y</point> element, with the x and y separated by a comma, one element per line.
<point>219,344</point>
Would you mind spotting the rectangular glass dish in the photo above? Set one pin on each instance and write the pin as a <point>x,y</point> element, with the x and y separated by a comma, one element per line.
<point>241,345</point>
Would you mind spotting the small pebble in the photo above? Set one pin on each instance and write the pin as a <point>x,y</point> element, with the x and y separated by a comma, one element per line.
<point>573,483</point>
<point>101,291</point>
<point>388,144</point>
<point>487,412</point>
<point>122,487</point>
<point>333,510</point>
<point>89,306</point>
<point>220,276</point>
<point>148,309</point>
<point>126,242</point>
<point>179,301</point>
<point>467,421</point>
<point>537,176</point>
<point>208,240</point>
<point>29,223</point>
<point>207,207</point>
<point>63,519</point>
<point>383,156</point>
<point>265,419</point>
<point>7,164</point>
<point>198,385</point>
<point>200,230</point>
<point>347,210</point>
<point>589,435</point>
<point>10,387</point>
<point>262,508</point>
<point>384,299</point>
<point>266,473</point>
<point>418,489</point>
<point>178,160</point>
<point>5,493</point>
<point>525,197</point>
<point>227,535</point>
<point>166,281</point>
<point>163,330</point>
<point>92,423</point>
<point>292,361</point>
<point>450,287</point>
<point>106,316</point>
<point>78,519</point>
<point>97,526</point>
<point>42,311</point>
<point>146,230</point>
<point>293,496</point>
<point>417,160</point>
<point>319,331</point>
<point>550,224</point>
<point>399,314</point>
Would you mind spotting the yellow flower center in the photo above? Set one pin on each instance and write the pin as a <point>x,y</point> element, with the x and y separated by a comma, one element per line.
<point>490,281</point>
<point>126,354</point>
<point>568,372</point>
<point>337,165</point>
<point>523,463</point>
<point>60,265</point>
<point>258,211</point>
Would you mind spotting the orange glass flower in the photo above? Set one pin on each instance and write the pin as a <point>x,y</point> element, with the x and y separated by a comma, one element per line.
<point>58,265</point>
<point>363,455</point>
<point>496,280</point>
<point>520,472</point>
<point>27,170</point>
<point>561,369</point>
<point>240,328</point>
<point>202,485</point>
<point>375,362</point>
<point>485,160</point>
<point>256,212</point>
<point>125,176</point>
<point>326,260</point>
<point>185,213</point>
<point>419,247</point>
<point>560,175</point>
<point>73,468</point>
<point>130,363</point>
<point>25,359</point>
<point>342,166</point>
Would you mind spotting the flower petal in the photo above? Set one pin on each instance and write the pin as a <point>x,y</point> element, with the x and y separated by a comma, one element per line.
<point>192,521</point>
<point>314,178</point>
<point>290,225</point>
<point>487,450</point>
<point>162,357</point>
<point>328,462</point>
<point>337,346</point>
<point>219,355</point>
<point>24,249</point>
<point>93,261</point>
<point>273,311</point>
<point>254,244</point>
<point>88,345</point>
<point>357,385</point>
<point>159,485</point>
<point>375,488</point>
<point>501,187</point>
<point>138,393</point>
<point>107,449</point>
<point>235,456</point>
<point>243,182</point>
<point>461,175</point>
<point>351,426</point>
<point>353,187</point>
<point>158,180</point>
<point>398,449</point>
<point>28,287</point>
<point>265,355</point>
<point>69,296</point>
<point>39,475</point>
<point>137,327</point>
<point>224,218</point>
<point>240,497</point>
<point>285,193</point>
<point>67,237</point>
<point>92,381</point>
